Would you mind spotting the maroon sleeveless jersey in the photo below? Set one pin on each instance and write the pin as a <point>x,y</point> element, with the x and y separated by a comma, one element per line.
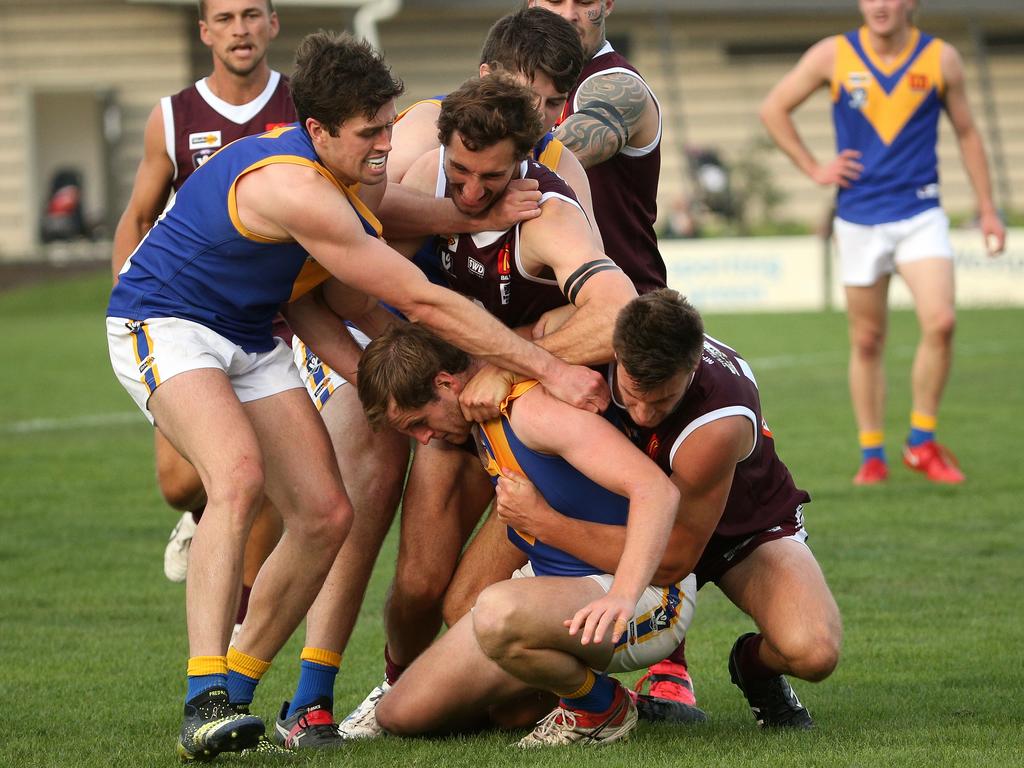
<point>197,123</point>
<point>625,191</point>
<point>763,492</point>
<point>486,268</point>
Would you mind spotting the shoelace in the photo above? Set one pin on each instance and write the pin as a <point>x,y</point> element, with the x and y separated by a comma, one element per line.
<point>556,723</point>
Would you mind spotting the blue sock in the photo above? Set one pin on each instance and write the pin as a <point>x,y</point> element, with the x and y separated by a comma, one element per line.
<point>241,688</point>
<point>877,452</point>
<point>595,698</point>
<point>316,681</point>
<point>198,684</point>
<point>920,436</point>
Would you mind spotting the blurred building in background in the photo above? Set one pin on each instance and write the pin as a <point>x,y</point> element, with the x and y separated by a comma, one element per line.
<point>79,77</point>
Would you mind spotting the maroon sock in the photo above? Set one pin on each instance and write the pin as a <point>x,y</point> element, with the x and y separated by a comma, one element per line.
<point>197,514</point>
<point>749,660</point>
<point>679,654</point>
<point>243,605</point>
<point>392,671</point>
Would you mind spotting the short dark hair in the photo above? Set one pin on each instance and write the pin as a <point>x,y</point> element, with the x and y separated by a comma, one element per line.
<point>337,77</point>
<point>657,336</point>
<point>486,110</point>
<point>399,366</point>
<point>202,8</point>
<point>535,40</point>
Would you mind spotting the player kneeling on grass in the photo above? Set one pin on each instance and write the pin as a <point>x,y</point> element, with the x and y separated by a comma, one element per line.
<point>559,618</point>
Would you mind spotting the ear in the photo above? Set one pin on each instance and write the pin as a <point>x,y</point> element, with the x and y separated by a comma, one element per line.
<point>445,380</point>
<point>204,34</point>
<point>317,131</point>
<point>485,70</point>
<point>275,25</point>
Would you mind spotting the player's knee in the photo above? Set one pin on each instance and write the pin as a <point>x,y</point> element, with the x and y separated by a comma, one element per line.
<point>239,491</point>
<point>941,325</point>
<point>458,601</point>
<point>418,583</point>
<point>396,717</point>
<point>180,486</point>
<point>868,343</point>
<point>815,656</point>
<point>325,522</point>
<point>495,621</point>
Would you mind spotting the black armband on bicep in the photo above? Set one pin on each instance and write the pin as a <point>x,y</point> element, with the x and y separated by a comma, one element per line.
<point>577,279</point>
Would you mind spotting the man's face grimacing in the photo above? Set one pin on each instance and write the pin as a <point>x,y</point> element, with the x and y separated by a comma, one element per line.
<point>648,408</point>
<point>359,153</point>
<point>477,179</point>
<point>440,419</point>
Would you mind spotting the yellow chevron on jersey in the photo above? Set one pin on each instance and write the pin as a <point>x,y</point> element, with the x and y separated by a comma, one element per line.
<point>436,101</point>
<point>887,109</point>
<point>552,154</point>
<point>500,453</point>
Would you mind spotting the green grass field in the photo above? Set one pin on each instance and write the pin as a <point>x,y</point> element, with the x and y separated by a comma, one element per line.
<point>929,579</point>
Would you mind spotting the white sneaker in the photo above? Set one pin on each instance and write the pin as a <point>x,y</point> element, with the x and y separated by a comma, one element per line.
<point>362,721</point>
<point>178,545</point>
<point>569,726</point>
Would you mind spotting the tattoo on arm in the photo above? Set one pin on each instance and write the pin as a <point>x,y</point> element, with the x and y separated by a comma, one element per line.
<point>610,109</point>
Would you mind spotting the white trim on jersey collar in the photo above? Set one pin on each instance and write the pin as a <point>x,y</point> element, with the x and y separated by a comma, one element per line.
<point>239,113</point>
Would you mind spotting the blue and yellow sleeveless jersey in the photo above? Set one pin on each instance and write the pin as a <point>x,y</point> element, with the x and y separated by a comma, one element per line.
<point>563,486</point>
<point>890,113</point>
<point>200,263</point>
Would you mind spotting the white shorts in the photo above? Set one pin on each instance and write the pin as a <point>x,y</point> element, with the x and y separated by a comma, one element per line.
<point>867,252</point>
<point>658,626</point>
<point>320,379</point>
<point>147,353</point>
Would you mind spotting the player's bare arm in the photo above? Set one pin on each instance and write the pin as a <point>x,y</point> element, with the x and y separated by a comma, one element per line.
<point>149,194</point>
<point>414,134</point>
<point>972,149</point>
<point>573,173</point>
<point>293,202</point>
<point>613,111</point>
<point>703,470</point>
<point>598,450</point>
<point>813,71</point>
<point>408,213</point>
<point>324,332</point>
<point>560,241</point>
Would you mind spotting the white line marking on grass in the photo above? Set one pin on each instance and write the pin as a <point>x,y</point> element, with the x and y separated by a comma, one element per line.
<point>74,422</point>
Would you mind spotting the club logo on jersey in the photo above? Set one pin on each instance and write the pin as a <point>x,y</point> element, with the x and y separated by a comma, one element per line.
<point>505,260</point>
<point>858,82</point>
<point>506,293</point>
<point>652,446</point>
<point>133,326</point>
<point>475,267</point>
<point>917,81</point>
<point>765,429</point>
<point>453,243</point>
<point>200,157</point>
<point>446,261</point>
<point>204,140</point>
<point>272,126</point>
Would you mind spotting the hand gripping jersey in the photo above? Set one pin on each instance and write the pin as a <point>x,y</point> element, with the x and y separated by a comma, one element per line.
<point>485,266</point>
<point>563,486</point>
<point>723,385</point>
<point>625,190</point>
<point>200,263</point>
<point>197,123</point>
<point>890,114</point>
